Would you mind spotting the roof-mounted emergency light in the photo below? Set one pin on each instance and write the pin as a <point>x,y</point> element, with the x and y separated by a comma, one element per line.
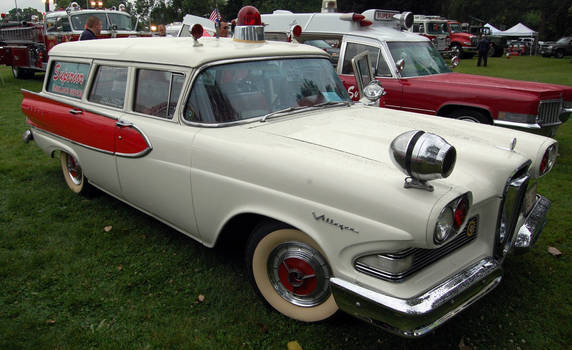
<point>398,20</point>
<point>197,33</point>
<point>249,25</point>
<point>295,32</point>
<point>356,17</point>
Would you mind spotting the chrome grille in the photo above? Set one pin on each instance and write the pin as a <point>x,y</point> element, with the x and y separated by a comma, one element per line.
<point>549,112</point>
<point>421,257</point>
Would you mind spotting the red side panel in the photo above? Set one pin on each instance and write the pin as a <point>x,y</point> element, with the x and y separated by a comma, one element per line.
<point>83,127</point>
<point>20,56</point>
<point>130,141</point>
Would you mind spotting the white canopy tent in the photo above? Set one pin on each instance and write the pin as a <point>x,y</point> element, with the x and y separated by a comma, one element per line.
<point>494,30</point>
<point>520,30</point>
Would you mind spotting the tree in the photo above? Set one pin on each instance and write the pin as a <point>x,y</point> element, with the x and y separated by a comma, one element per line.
<point>18,14</point>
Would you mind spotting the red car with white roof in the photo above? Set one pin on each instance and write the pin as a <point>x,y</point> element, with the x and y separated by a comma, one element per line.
<point>416,78</point>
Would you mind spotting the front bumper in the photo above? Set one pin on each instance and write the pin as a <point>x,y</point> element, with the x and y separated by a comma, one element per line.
<point>420,315</point>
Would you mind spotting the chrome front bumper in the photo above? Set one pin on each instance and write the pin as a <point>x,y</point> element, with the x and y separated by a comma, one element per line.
<point>420,315</point>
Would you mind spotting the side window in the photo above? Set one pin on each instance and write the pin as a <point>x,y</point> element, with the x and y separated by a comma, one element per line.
<point>63,25</point>
<point>109,86</point>
<point>51,24</point>
<point>157,92</point>
<point>379,66</point>
<point>68,78</point>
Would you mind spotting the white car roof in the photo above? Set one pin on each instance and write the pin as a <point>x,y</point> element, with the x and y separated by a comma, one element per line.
<point>330,23</point>
<point>179,51</point>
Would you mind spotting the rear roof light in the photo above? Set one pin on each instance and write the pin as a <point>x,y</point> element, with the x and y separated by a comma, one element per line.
<point>249,16</point>
<point>365,23</point>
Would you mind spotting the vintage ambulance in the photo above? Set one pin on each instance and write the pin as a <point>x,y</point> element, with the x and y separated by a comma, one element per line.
<point>415,76</point>
<point>396,218</point>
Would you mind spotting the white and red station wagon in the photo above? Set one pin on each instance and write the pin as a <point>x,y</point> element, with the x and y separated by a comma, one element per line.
<point>417,79</point>
<point>398,219</point>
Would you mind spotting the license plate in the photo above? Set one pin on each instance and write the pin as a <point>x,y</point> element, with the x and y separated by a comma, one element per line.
<point>530,198</point>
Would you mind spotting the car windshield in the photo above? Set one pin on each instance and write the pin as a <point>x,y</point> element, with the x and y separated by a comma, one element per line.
<point>122,21</point>
<point>455,27</point>
<point>238,91</point>
<point>421,58</point>
<point>563,41</point>
<point>437,28</point>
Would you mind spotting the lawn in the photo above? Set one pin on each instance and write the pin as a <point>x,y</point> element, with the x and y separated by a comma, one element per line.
<point>78,273</point>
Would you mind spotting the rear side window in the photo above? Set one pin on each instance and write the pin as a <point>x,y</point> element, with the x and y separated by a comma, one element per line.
<point>68,78</point>
<point>109,86</point>
<point>157,92</point>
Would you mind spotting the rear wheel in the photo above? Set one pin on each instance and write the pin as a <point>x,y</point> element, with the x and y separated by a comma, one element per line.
<point>456,50</point>
<point>469,115</point>
<point>288,269</point>
<point>73,174</point>
<point>21,73</point>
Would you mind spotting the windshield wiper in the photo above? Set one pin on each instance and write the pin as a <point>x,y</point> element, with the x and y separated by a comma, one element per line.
<point>280,111</point>
<point>295,108</point>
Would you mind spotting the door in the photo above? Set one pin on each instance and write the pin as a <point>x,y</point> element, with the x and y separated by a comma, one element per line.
<point>158,179</point>
<point>392,86</point>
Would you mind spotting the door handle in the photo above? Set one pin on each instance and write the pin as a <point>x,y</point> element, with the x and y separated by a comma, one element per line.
<point>76,111</point>
<point>123,124</point>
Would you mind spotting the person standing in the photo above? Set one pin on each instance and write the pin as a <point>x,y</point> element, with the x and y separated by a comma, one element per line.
<point>483,50</point>
<point>92,28</point>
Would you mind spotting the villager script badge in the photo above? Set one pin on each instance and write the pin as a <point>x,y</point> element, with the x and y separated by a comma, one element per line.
<point>327,220</point>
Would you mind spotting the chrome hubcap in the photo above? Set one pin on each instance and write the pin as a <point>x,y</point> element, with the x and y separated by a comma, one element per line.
<point>299,274</point>
<point>74,170</point>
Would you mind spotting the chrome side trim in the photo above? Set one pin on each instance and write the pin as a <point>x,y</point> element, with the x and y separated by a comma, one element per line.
<point>534,223</point>
<point>515,124</point>
<point>417,316</point>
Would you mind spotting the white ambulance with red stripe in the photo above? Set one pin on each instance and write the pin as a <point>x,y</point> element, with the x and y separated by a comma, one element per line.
<point>394,217</point>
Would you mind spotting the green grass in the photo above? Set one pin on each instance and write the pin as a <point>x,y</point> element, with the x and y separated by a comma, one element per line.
<point>66,283</point>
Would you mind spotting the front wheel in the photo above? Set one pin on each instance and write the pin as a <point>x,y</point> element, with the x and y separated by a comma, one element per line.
<point>469,115</point>
<point>559,54</point>
<point>73,174</point>
<point>457,50</point>
<point>288,269</point>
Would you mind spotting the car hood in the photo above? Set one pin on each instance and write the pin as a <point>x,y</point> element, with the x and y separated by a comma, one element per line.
<point>492,83</point>
<point>367,132</point>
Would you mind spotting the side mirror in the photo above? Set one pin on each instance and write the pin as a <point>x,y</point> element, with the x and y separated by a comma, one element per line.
<point>400,64</point>
<point>370,89</point>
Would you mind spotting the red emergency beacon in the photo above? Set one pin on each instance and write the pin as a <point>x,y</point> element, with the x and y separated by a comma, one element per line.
<point>249,26</point>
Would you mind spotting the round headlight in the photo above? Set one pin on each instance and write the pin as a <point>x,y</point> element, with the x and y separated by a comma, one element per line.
<point>444,226</point>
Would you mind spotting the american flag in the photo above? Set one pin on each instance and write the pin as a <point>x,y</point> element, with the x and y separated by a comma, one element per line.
<point>215,16</point>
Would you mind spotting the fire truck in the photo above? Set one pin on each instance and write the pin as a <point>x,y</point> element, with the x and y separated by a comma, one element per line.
<point>435,29</point>
<point>25,45</point>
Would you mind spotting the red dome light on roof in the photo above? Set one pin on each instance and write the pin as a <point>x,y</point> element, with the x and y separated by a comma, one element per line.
<point>249,16</point>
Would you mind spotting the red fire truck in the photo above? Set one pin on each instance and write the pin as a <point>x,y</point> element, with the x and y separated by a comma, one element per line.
<point>25,45</point>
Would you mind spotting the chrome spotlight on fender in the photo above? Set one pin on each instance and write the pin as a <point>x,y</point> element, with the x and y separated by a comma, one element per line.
<point>423,157</point>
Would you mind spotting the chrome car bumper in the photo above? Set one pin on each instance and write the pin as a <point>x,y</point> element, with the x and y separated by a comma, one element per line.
<point>420,315</point>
